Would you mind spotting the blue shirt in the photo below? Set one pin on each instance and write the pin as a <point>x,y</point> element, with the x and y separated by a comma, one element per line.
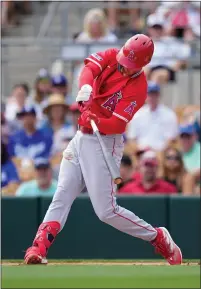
<point>30,146</point>
<point>47,129</point>
<point>31,189</point>
<point>8,174</point>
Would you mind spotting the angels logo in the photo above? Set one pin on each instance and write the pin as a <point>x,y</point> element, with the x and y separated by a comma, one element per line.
<point>129,109</point>
<point>111,102</point>
<point>131,55</point>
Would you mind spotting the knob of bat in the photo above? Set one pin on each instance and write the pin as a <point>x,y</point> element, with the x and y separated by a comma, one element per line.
<point>118,181</point>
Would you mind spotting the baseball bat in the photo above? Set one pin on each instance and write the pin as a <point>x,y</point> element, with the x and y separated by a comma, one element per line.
<point>110,162</point>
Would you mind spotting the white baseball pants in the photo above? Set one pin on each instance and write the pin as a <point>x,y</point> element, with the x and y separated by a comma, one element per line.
<point>83,164</point>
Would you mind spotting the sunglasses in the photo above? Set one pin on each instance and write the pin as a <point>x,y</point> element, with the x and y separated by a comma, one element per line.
<point>185,135</point>
<point>172,158</point>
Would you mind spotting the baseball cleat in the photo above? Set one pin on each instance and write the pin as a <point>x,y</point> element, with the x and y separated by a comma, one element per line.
<point>165,246</point>
<point>33,256</point>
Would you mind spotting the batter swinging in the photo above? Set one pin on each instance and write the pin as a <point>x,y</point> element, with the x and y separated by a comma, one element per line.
<point>112,88</point>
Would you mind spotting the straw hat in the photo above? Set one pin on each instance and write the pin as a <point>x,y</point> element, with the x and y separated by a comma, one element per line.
<point>55,99</point>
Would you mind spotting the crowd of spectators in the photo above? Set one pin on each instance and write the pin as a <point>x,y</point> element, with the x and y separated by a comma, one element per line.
<point>35,125</point>
<point>162,151</point>
<point>173,27</point>
<point>13,11</point>
<point>162,145</point>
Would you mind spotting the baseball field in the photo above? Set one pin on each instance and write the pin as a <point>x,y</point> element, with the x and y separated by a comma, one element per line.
<point>101,274</point>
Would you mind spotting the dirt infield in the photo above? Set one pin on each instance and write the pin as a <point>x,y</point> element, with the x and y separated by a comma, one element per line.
<point>87,263</point>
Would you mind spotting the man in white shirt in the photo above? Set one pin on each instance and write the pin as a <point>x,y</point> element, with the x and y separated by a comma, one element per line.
<point>155,124</point>
<point>170,54</point>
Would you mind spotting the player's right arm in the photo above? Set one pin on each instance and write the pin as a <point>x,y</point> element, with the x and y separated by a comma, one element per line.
<point>94,65</point>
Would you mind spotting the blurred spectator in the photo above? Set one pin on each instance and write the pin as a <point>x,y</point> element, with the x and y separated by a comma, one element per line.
<point>41,92</point>
<point>139,151</point>
<point>197,125</point>
<point>5,131</point>
<point>170,54</point>
<point>11,12</point>
<point>191,115</point>
<point>184,20</point>
<point>155,124</point>
<point>9,176</point>
<point>126,171</point>
<point>190,149</point>
<point>96,28</point>
<point>135,21</point>
<point>5,128</point>
<point>62,137</point>
<point>29,142</point>
<point>148,182</point>
<point>59,85</point>
<point>16,101</point>
<point>9,15</point>
<point>173,171</point>
<point>43,185</point>
<point>75,114</point>
<point>57,127</point>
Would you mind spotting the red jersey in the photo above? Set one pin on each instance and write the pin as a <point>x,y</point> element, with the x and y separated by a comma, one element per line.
<point>115,94</point>
<point>160,187</point>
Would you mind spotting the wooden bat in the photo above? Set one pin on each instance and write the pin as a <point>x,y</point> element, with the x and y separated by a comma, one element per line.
<point>110,162</point>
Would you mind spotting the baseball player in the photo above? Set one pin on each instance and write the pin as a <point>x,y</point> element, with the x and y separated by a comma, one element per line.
<point>112,88</point>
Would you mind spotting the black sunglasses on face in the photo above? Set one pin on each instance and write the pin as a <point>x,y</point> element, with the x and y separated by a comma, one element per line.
<point>185,135</point>
<point>173,158</point>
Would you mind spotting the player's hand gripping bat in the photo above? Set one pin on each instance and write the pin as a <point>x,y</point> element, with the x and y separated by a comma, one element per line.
<point>110,162</point>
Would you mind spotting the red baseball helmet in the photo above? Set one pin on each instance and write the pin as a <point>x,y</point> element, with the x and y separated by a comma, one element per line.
<point>137,52</point>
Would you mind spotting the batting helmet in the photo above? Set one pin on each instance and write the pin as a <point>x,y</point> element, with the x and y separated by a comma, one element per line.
<point>137,52</point>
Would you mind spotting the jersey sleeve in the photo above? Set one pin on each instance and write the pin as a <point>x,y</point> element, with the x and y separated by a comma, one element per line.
<point>101,59</point>
<point>126,108</point>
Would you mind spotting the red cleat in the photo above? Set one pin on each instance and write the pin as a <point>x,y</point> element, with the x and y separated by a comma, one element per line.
<point>166,247</point>
<point>33,256</point>
<point>42,242</point>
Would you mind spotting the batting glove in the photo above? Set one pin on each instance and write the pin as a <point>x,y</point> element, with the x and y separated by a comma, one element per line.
<point>87,116</point>
<point>84,93</point>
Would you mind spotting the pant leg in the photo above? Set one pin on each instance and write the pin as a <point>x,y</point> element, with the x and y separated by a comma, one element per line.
<point>70,184</point>
<point>102,190</point>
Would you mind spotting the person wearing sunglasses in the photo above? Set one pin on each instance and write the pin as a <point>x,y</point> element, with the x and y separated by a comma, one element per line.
<point>174,172</point>
<point>190,148</point>
<point>148,181</point>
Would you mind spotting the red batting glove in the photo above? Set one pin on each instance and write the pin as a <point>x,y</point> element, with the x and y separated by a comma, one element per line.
<point>87,116</point>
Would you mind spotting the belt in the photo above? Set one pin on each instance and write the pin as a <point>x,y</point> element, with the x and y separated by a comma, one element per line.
<point>86,130</point>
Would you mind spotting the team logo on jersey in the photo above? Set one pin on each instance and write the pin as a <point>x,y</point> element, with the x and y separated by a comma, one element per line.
<point>95,55</point>
<point>111,102</point>
<point>129,109</point>
<point>131,55</point>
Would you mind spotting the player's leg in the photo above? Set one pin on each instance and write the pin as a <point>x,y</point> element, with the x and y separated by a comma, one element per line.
<point>70,184</point>
<point>102,193</point>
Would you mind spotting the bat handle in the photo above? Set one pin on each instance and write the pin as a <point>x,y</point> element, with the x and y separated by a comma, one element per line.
<point>118,181</point>
<point>94,126</point>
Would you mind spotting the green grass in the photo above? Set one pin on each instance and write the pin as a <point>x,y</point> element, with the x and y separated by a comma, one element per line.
<point>100,276</point>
